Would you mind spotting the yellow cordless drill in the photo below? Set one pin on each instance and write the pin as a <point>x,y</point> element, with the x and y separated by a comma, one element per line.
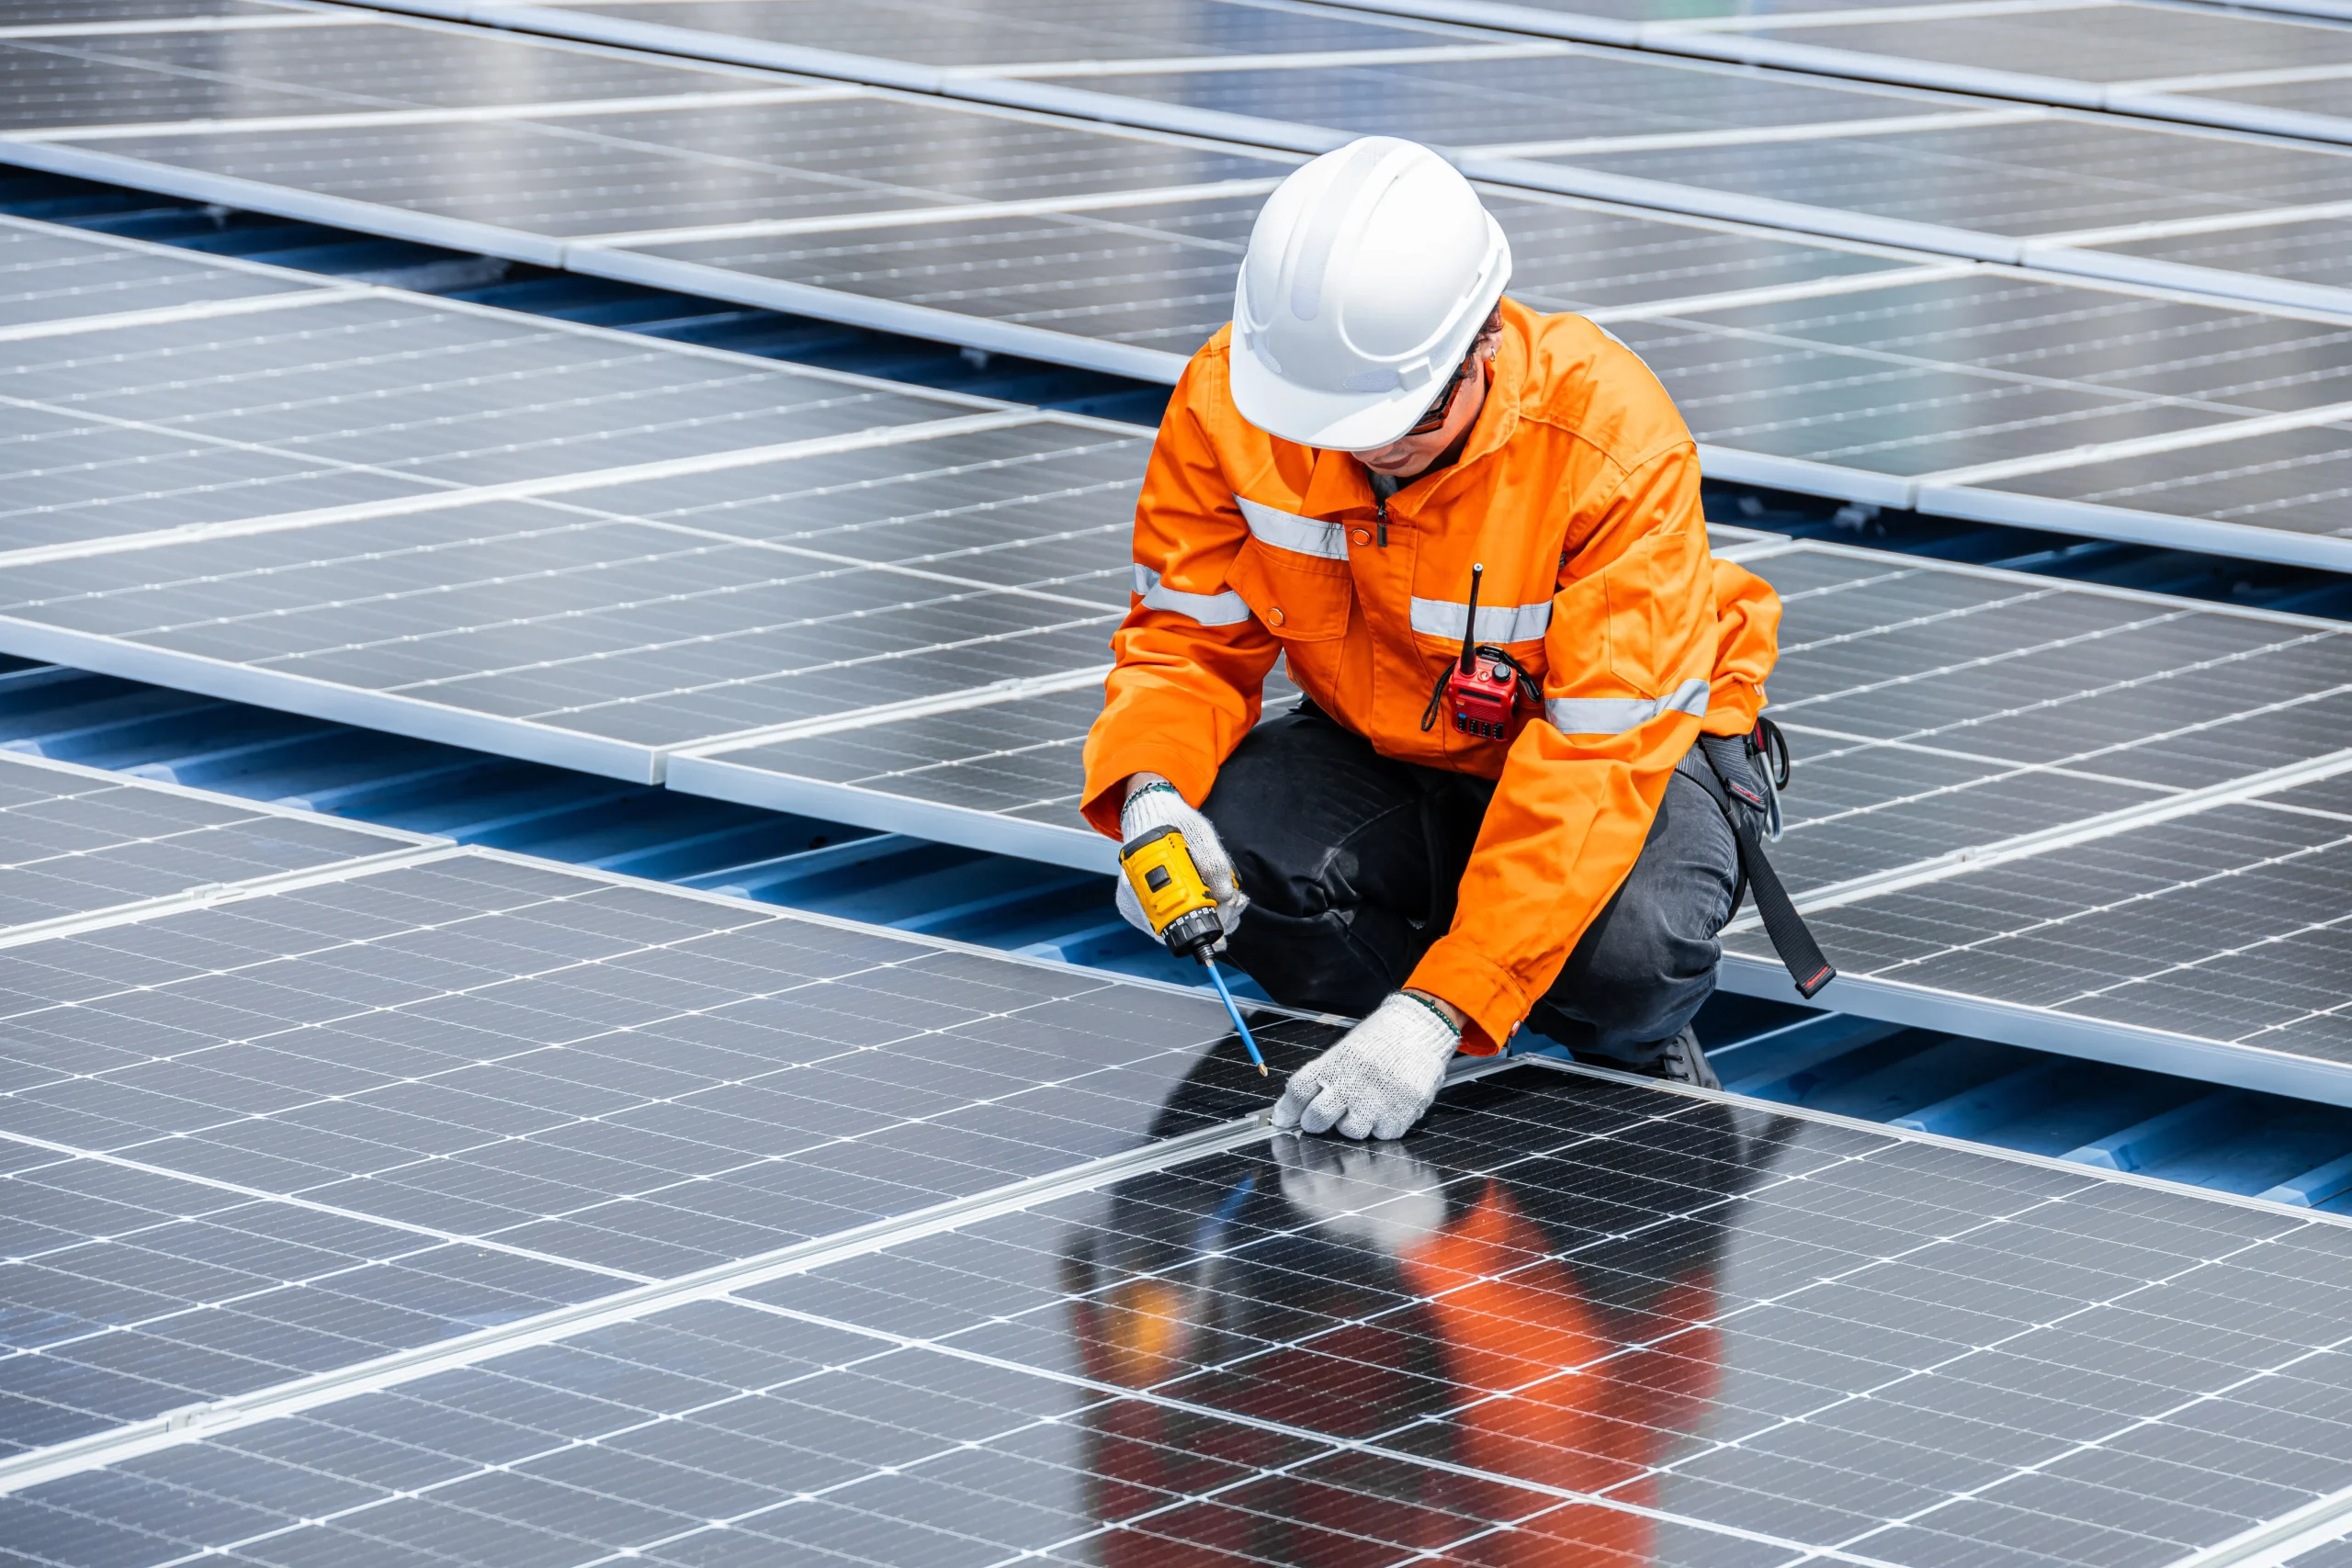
<point>1159,867</point>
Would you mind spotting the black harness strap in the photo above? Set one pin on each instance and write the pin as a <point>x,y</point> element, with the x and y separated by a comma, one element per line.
<point>1730,777</point>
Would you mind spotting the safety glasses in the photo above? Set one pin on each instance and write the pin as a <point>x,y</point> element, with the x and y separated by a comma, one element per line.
<point>1435,418</point>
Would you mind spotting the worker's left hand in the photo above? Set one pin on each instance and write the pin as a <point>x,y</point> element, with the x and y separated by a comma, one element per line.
<point>1379,1079</point>
<point>1158,805</point>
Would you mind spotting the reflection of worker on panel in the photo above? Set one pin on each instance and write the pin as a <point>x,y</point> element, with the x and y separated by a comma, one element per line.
<point>1526,781</point>
<point>1477,1325</point>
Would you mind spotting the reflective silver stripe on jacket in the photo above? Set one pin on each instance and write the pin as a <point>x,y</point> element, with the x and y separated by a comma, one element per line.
<point>1289,531</point>
<point>1226,609</point>
<point>1614,715</point>
<point>1497,623</point>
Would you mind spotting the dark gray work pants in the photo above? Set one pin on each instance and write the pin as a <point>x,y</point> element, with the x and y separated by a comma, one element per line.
<point>1351,862</point>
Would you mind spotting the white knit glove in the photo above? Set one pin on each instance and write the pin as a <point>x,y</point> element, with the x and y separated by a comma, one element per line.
<point>1378,1079</point>
<point>1385,1196</point>
<point>1159,806</point>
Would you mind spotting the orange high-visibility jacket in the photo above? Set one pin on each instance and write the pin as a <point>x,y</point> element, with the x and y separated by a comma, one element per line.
<point>1578,491</point>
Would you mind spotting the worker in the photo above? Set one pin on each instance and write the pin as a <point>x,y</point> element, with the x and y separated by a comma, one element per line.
<point>1377,430</point>
<point>1482,1325</point>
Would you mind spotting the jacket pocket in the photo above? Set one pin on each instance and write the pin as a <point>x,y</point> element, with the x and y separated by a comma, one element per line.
<point>1303,602</point>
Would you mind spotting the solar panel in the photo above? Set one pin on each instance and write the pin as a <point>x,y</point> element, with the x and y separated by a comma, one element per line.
<point>470,1088</point>
<point>51,281</point>
<point>76,843</point>
<point>1569,1317</point>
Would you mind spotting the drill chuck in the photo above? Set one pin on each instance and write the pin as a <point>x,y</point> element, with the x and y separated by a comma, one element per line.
<point>1195,933</point>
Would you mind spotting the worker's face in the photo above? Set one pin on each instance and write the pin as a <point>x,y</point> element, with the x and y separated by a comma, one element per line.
<point>1409,455</point>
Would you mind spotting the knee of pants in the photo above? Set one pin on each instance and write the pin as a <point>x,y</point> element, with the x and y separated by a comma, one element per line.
<point>1649,959</point>
<point>1646,978</point>
<point>1317,822</point>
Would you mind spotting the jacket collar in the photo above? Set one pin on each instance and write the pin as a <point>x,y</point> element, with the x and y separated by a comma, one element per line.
<point>1338,482</point>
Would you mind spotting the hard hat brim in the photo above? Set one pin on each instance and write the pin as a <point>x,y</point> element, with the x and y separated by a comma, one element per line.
<point>1345,421</point>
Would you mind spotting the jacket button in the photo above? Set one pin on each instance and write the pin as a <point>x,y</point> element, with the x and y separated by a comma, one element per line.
<point>1359,535</point>
<point>1274,614</point>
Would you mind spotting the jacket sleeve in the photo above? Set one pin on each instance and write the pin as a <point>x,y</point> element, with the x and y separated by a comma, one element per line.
<point>1190,661</point>
<point>1747,643</point>
<point>1632,650</point>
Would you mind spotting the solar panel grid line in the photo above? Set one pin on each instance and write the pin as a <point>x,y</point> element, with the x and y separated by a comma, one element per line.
<point>548,486</point>
<point>855,222</point>
<point>253,305</point>
<point>624,266</point>
<point>2277,1541</point>
<point>2162,603</point>
<point>112,779</point>
<point>621,339</point>
<point>179,256</point>
<point>1303,60</point>
<point>2253,288</point>
<point>154,25</point>
<point>2255,421</point>
<point>257,195</point>
<point>298,1201</point>
<point>914,707</point>
<point>220,893</point>
<point>2268,77</point>
<point>719,778</point>
<point>132,1440</point>
<point>1821,131</point>
<point>1780,293</point>
<point>2162,530</point>
<point>1933,10</point>
<point>479,114</point>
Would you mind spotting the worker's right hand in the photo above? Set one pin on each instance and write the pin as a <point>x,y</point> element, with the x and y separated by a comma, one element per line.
<point>1156,804</point>
<point>1380,1076</point>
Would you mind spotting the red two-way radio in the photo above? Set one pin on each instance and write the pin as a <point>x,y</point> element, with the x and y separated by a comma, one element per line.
<point>1484,688</point>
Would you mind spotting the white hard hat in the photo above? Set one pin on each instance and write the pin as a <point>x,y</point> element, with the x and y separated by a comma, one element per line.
<point>1369,274</point>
